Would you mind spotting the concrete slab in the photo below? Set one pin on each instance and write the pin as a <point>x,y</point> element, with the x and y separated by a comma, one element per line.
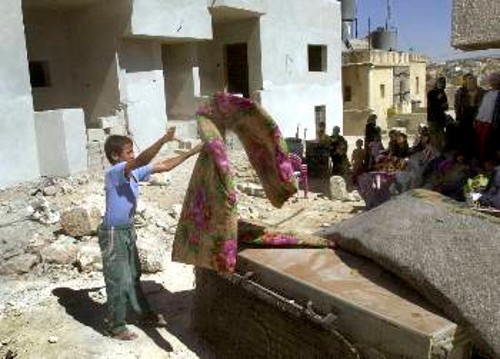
<point>61,142</point>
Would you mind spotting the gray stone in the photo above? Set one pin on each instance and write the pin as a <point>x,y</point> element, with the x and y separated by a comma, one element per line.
<point>449,253</point>
<point>88,257</point>
<point>176,210</point>
<point>151,254</point>
<point>80,221</point>
<point>19,264</point>
<point>63,251</point>
<point>37,243</point>
<point>339,192</point>
<point>50,190</point>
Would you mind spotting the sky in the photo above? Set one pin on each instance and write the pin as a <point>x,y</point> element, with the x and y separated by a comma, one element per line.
<point>423,25</point>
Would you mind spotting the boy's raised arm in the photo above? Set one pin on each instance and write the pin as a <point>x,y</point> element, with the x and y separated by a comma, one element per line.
<point>171,163</point>
<point>149,153</point>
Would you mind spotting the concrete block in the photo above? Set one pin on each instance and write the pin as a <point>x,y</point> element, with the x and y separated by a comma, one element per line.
<point>118,130</point>
<point>110,121</point>
<point>61,141</point>
<point>96,135</point>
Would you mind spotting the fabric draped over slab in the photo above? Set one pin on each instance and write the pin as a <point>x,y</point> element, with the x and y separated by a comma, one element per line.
<point>207,231</point>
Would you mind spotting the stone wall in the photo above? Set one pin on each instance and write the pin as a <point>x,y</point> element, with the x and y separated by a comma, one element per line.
<point>475,24</point>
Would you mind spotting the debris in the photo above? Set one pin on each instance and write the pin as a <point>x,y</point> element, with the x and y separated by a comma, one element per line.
<point>63,251</point>
<point>81,220</point>
<point>176,210</point>
<point>19,264</point>
<point>39,210</point>
<point>88,257</point>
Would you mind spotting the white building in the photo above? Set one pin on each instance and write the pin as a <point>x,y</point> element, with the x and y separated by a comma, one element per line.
<point>141,63</point>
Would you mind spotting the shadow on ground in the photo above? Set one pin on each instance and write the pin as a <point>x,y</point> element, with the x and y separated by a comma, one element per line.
<point>175,307</point>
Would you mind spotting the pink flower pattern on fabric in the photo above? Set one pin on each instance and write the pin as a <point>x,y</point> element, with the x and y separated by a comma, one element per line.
<point>232,198</point>
<point>218,150</point>
<point>280,239</point>
<point>284,166</point>
<point>228,103</point>
<point>198,209</point>
<point>194,239</point>
<point>227,255</point>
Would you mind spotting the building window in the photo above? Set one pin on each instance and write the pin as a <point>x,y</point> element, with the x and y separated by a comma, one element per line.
<point>39,74</point>
<point>382,91</point>
<point>347,94</point>
<point>417,85</point>
<point>317,58</point>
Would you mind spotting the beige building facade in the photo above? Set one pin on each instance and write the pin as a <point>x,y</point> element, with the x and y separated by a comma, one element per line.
<point>384,83</point>
<point>131,66</point>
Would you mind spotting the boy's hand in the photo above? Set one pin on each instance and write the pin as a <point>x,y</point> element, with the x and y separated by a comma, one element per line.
<point>170,135</point>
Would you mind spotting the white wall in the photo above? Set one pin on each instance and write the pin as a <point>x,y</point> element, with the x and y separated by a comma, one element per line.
<point>179,62</point>
<point>47,37</point>
<point>143,90</point>
<point>171,19</point>
<point>62,142</point>
<point>18,154</point>
<point>95,33</point>
<point>290,91</point>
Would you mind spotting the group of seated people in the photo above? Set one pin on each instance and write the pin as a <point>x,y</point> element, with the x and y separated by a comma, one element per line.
<point>379,172</point>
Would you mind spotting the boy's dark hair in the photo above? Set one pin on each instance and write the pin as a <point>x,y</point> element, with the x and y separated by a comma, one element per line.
<point>114,145</point>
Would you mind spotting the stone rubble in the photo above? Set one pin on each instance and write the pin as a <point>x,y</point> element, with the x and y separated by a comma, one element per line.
<point>81,220</point>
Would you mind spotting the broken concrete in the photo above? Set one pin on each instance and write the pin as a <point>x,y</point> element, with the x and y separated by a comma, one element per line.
<point>63,251</point>
<point>80,221</point>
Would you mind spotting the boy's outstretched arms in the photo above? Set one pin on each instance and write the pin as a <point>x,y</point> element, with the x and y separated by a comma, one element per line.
<point>171,163</point>
<point>149,153</point>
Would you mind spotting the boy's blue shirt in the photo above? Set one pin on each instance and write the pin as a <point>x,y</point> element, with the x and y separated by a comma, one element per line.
<point>122,194</point>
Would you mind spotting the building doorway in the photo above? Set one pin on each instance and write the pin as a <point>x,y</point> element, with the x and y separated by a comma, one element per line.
<point>237,69</point>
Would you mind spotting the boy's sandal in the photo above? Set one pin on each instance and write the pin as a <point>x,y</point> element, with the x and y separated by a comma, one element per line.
<point>125,334</point>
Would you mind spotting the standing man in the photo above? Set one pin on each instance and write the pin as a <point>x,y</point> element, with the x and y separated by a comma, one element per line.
<point>437,105</point>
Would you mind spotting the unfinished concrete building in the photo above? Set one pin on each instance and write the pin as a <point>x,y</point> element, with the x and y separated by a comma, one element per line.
<point>77,68</point>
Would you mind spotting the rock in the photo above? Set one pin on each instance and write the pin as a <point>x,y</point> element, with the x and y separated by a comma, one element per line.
<point>63,251</point>
<point>39,210</point>
<point>81,220</point>
<point>50,190</point>
<point>338,188</point>
<point>88,257</point>
<point>36,244</point>
<point>53,339</point>
<point>252,189</point>
<point>151,254</point>
<point>176,210</point>
<point>20,264</point>
<point>161,179</point>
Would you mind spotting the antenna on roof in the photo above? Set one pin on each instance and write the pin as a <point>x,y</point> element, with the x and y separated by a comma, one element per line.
<point>388,19</point>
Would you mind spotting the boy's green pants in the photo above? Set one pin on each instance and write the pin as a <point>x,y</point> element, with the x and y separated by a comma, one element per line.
<point>122,271</point>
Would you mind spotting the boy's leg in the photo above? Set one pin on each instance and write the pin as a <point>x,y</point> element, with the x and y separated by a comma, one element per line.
<point>116,276</point>
<point>140,303</point>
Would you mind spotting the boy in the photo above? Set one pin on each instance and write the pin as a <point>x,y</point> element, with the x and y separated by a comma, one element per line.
<point>117,237</point>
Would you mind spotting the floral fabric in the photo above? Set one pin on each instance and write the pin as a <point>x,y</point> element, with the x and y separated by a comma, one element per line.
<point>208,228</point>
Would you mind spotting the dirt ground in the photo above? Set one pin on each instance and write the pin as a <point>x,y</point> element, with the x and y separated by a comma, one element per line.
<point>57,311</point>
